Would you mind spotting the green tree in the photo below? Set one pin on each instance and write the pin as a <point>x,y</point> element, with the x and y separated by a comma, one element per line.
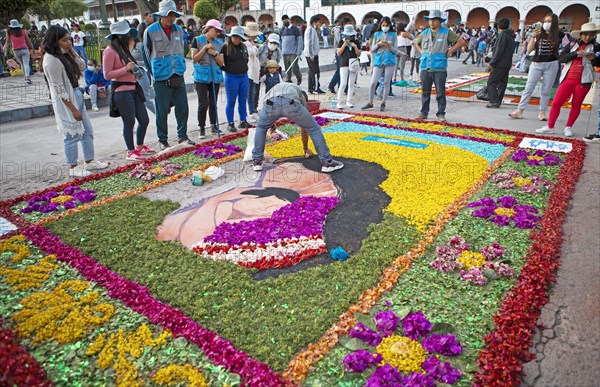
<point>13,9</point>
<point>224,5</point>
<point>41,8</point>
<point>205,10</point>
<point>147,5</point>
<point>67,9</point>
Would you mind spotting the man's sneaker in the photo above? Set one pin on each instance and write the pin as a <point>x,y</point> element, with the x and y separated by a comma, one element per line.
<point>231,127</point>
<point>568,131</point>
<point>312,92</point>
<point>299,82</point>
<point>545,130</point>
<point>213,129</point>
<point>349,105</point>
<point>592,138</point>
<point>79,171</point>
<point>441,117</point>
<point>135,155</point>
<point>202,135</point>
<point>164,145</point>
<point>332,90</point>
<point>367,106</point>
<point>257,165</point>
<point>95,108</point>
<point>331,165</point>
<point>95,165</point>
<point>146,150</point>
<point>244,125</point>
<point>252,118</point>
<point>382,107</point>
<point>422,116</point>
<point>340,106</point>
<point>319,91</point>
<point>186,141</point>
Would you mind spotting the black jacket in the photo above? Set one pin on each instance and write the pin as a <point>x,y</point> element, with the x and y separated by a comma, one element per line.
<point>503,50</point>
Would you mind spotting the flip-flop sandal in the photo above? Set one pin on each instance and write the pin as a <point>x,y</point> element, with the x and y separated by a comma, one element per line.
<point>515,116</point>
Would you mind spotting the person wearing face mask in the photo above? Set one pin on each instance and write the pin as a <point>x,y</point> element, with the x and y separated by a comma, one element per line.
<point>384,51</point>
<point>580,57</point>
<point>311,52</point>
<point>94,80</point>
<point>266,52</point>
<point>545,41</point>
<point>291,48</point>
<point>349,49</point>
<point>62,68</point>
<point>235,58</point>
<point>128,97</point>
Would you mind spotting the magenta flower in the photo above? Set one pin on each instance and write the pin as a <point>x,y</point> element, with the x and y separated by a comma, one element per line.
<point>538,157</point>
<point>44,204</point>
<point>415,325</point>
<point>217,151</point>
<point>443,344</point>
<point>321,120</point>
<point>385,375</point>
<point>361,360</point>
<point>387,322</point>
<point>364,333</point>
<point>442,372</point>
<point>506,211</point>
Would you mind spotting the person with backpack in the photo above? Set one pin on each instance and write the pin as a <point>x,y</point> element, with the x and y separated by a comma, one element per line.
<point>325,35</point>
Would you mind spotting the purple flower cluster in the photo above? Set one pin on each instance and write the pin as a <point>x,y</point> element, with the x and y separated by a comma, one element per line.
<point>537,158</point>
<point>366,334</point>
<point>502,269</point>
<point>506,180</point>
<point>147,172</point>
<point>416,325</point>
<point>458,244</point>
<point>386,322</point>
<point>361,360</point>
<point>217,151</point>
<point>385,375</point>
<point>321,120</point>
<point>525,217</point>
<point>474,275</point>
<point>304,217</point>
<point>442,372</point>
<point>493,251</point>
<point>443,344</point>
<point>45,205</point>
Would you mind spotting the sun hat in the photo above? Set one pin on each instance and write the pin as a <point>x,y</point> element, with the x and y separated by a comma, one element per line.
<point>122,28</point>
<point>274,38</point>
<point>251,29</point>
<point>14,23</point>
<point>587,27</point>
<point>349,30</point>
<point>271,63</point>
<point>214,23</point>
<point>165,7</point>
<point>237,31</point>
<point>435,14</point>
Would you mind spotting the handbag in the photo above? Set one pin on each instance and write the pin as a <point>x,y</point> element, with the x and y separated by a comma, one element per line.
<point>482,94</point>
<point>354,65</point>
<point>175,82</point>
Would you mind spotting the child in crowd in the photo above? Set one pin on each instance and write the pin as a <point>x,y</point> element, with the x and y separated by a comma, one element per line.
<point>481,48</point>
<point>95,83</point>
<point>272,76</point>
<point>365,59</point>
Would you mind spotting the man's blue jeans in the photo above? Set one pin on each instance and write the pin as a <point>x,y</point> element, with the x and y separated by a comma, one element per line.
<point>80,50</point>
<point>437,78</point>
<point>335,80</point>
<point>279,107</point>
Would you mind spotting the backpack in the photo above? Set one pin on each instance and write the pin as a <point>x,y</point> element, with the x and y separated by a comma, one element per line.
<point>325,32</point>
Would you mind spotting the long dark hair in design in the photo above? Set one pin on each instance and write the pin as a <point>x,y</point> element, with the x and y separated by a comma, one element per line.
<point>53,35</point>
<point>120,43</point>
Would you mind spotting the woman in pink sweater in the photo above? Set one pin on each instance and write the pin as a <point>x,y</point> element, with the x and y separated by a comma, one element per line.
<point>127,95</point>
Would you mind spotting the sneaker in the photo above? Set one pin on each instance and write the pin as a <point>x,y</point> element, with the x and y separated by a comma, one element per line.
<point>492,105</point>
<point>79,171</point>
<point>592,138</point>
<point>95,165</point>
<point>340,106</point>
<point>299,82</point>
<point>392,95</point>
<point>95,108</point>
<point>422,116</point>
<point>441,117</point>
<point>382,107</point>
<point>135,155</point>
<point>319,91</point>
<point>213,129</point>
<point>311,92</point>
<point>349,105</point>
<point>332,90</point>
<point>568,131</point>
<point>146,150</point>
<point>252,118</point>
<point>257,165</point>
<point>367,106</point>
<point>164,145</point>
<point>545,130</point>
<point>331,165</point>
<point>231,127</point>
<point>186,141</point>
<point>202,135</point>
<point>28,81</point>
<point>244,125</point>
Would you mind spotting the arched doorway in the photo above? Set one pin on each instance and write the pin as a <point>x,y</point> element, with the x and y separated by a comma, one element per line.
<point>573,17</point>
<point>400,17</point>
<point>323,19</point>
<point>297,20</point>
<point>536,14</point>
<point>511,14</point>
<point>266,20</point>
<point>478,17</point>
<point>371,16</point>
<point>230,21</point>
<point>420,21</point>
<point>247,18</point>
<point>341,16</point>
<point>453,18</point>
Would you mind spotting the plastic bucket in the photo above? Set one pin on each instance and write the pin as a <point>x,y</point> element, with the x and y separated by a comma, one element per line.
<point>313,105</point>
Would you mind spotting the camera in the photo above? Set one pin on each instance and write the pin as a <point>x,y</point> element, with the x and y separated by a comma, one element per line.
<point>537,26</point>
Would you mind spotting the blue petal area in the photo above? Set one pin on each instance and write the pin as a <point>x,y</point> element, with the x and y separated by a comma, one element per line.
<point>490,152</point>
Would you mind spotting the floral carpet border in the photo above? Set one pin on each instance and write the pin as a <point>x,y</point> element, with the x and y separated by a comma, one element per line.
<point>139,299</point>
<point>501,362</point>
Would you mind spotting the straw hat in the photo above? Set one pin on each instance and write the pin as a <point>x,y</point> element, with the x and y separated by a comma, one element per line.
<point>165,7</point>
<point>237,31</point>
<point>435,14</point>
<point>587,27</point>
<point>251,29</point>
<point>271,63</point>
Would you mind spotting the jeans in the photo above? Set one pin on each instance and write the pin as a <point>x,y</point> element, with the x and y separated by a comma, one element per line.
<point>164,96</point>
<point>437,78</point>
<point>470,55</point>
<point>131,108</point>
<point>86,139</point>
<point>207,99</point>
<point>314,74</point>
<point>145,83</point>
<point>401,61</point>
<point>23,57</point>
<point>387,82</point>
<point>496,85</point>
<point>80,50</point>
<point>568,88</point>
<point>287,62</point>
<point>517,46</point>
<point>251,93</point>
<point>538,69</point>
<point>415,65</point>
<point>335,80</point>
<point>347,79</point>
<point>93,92</point>
<point>279,107</point>
<point>236,88</point>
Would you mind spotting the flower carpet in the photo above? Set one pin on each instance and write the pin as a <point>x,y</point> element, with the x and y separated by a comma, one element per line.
<point>425,261</point>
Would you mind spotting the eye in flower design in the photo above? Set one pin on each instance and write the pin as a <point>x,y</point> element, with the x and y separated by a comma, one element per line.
<point>475,267</point>
<point>506,211</point>
<point>513,179</point>
<point>70,197</point>
<point>217,151</point>
<point>539,157</point>
<point>404,351</point>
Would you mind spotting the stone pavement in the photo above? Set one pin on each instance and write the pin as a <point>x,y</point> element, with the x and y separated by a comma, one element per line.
<point>567,348</point>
